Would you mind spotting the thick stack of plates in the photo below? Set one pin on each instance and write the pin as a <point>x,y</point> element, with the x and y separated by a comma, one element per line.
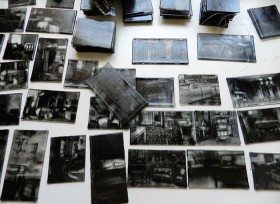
<point>176,9</point>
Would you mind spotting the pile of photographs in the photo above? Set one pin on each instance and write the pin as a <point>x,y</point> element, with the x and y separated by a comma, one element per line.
<point>94,36</point>
<point>266,21</point>
<point>137,11</point>
<point>176,9</point>
<point>218,13</point>
<point>98,7</point>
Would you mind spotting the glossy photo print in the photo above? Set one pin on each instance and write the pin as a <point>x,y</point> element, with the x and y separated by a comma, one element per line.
<point>216,128</point>
<point>199,90</point>
<point>162,128</point>
<point>52,106</point>
<point>217,169</point>
<point>21,47</point>
<point>108,169</point>
<point>260,125</point>
<point>67,159</point>
<point>51,21</point>
<point>24,168</point>
<point>12,20</point>
<point>157,169</point>
<point>254,90</point>
<point>14,75</point>
<point>266,174</point>
<point>49,60</point>
<point>10,107</point>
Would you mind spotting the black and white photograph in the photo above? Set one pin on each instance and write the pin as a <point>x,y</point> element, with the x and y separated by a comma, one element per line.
<point>108,169</point>
<point>68,4</point>
<point>67,159</point>
<point>157,91</point>
<point>260,125</point>
<point>52,106</point>
<point>117,94</point>
<point>51,20</point>
<point>2,37</point>
<point>255,90</point>
<point>12,20</point>
<point>78,71</point>
<point>3,144</point>
<point>217,169</point>
<point>24,168</point>
<point>16,3</point>
<point>13,75</point>
<point>101,117</point>
<point>94,36</point>
<point>266,21</point>
<point>266,170</point>
<point>49,60</point>
<point>159,51</point>
<point>10,107</point>
<point>157,169</point>
<point>162,128</point>
<point>199,90</point>
<point>216,128</point>
<point>222,47</point>
<point>21,47</point>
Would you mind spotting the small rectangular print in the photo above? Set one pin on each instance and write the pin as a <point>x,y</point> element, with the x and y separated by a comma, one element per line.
<point>159,51</point>
<point>108,169</point>
<point>162,128</point>
<point>49,60</point>
<point>226,47</point>
<point>217,169</point>
<point>13,75</point>
<point>12,20</point>
<point>157,169</point>
<point>53,106</point>
<point>216,128</point>
<point>199,90</point>
<point>266,174</point>
<point>254,90</point>
<point>24,169</point>
<point>67,159</point>
<point>261,125</point>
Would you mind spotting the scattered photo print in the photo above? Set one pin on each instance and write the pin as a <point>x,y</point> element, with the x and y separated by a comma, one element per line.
<point>2,37</point>
<point>67,159</point>
<point>254,90</point>
<point>266,171</point>
<point>216,128</point>
<point>260,125</point>
<point>100,117</point>
<point>78,71</point>
<point>51,20</point>
<point>10,106</point>
<point>16,3</point>
<point>157,91</point>
<point>21,47</point>
<point>3,143</point>
<point>108,169</point>
<point>157,169</point>
<point>53,106</point>
<point>162,128</point>
<point>226,47</point>
<point>117,94</point>
<point>199,90</point>
<point>160,51</point>
<point>266,21</point>
<point>69,4</point>
<point>13,75</point>
<point>12,20</point>
<point>217,169</point>
<point>24,169</point>
<point>49,60</point>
